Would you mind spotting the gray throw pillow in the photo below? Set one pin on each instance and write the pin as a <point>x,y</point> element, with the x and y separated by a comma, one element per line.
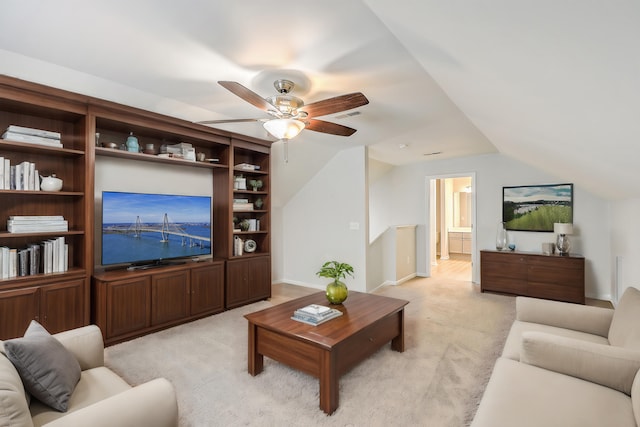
<point>48,370</point>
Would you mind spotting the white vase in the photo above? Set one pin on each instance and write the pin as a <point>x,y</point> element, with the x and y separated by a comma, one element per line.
<point>501,237</point>
<point>51,183</point>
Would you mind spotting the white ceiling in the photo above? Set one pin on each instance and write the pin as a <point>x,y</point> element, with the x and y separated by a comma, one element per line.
<point>551,83</point>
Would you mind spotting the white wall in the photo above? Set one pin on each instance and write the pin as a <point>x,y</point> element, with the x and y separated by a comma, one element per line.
<point>318,223</point>
<point>591,213</point>
<point>625,246</point>
<point>380,211</point>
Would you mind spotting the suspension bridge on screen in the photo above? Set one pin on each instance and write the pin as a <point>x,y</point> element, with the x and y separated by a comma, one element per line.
<point>165,230</point>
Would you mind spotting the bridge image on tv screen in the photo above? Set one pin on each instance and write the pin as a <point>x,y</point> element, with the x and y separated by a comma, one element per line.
<point>139,227</point>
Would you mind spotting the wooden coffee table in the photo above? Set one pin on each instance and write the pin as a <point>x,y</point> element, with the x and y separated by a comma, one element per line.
<point>330,349</point>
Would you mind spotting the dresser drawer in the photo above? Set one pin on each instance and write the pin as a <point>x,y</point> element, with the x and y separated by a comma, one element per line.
<point>505,257</point>
<point>367,341</point>
<point>556,276</point>
<point>556,262</point>
<point>555,292</point>
<point>505,285</point>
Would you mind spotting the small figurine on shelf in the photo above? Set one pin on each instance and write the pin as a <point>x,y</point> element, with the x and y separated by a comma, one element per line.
<point>132,144</point>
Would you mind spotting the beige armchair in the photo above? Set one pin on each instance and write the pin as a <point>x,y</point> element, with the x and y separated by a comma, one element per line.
<point>100,398</point>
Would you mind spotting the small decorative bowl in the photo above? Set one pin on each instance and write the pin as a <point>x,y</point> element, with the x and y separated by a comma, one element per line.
<point>109,145</point>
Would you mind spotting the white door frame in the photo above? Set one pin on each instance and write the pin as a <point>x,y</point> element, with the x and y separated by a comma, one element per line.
<point>430,220</point>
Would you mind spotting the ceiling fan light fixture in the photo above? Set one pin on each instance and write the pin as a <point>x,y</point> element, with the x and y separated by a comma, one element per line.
<point>284,128</point>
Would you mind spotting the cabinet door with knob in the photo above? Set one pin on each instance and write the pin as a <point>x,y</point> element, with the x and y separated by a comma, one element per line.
<point>62,305</point>
<point>169,297</point>
<point>207,289</point>
<point>17,308</point>
<point>248,280</point>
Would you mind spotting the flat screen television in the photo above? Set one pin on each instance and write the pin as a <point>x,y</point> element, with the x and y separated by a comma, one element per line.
<point>143,229</point>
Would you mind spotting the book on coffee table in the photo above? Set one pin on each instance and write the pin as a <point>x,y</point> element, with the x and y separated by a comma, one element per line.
<point>315,314</point>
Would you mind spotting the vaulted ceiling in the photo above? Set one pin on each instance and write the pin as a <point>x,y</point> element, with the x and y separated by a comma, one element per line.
<point>551,83</point>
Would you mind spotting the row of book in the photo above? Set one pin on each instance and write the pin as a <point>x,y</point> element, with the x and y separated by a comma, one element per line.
<point>315,314</point>
<point>50,256</point>
<point>37,224</point>
<point>32,136</point>
<point>23,176</point>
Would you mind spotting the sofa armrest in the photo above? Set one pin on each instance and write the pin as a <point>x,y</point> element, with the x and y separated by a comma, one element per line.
<point>588,319</point>
<point>150,404</point>
<point>85,344</point>
<point>613,367</point>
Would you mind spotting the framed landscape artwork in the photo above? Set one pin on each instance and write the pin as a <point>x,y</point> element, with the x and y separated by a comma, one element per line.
<point>537,207</point>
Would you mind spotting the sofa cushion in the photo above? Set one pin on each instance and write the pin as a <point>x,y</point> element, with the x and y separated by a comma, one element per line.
<point>582,318</point>
<point>513,344</point>
<point>13,400</point>
<point>94,386</point>
<point>625,325</point>
<point>527,396</point>
<point>48,371</point>
<point>610,366</point>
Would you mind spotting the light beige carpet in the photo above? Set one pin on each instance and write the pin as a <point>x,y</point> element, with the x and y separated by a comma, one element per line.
<point>453,335</point>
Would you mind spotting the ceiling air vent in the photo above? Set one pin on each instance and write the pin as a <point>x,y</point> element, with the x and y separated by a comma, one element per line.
<point>351,114</point>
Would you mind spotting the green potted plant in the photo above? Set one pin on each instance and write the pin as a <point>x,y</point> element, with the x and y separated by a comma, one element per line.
<point>337,291</point>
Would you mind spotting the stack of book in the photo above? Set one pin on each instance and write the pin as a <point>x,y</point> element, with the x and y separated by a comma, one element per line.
<point>50,256</point>
<point>36,224</point>
<point>315,314</point>
<point>247,166</point>
<point>242,205</point>
<point>32,136</point>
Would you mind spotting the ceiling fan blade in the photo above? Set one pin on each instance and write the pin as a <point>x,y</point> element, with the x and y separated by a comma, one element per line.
<point>209,122</point>
<point>248,95</point>
<point>328,127</point>
<point>336,104</point>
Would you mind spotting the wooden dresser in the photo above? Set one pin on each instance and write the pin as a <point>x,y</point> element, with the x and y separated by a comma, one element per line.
<point>533,274</point>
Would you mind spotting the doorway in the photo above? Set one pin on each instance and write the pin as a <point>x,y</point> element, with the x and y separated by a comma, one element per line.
<point>451,234</point>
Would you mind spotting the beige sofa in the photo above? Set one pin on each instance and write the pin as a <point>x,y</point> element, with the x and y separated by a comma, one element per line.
<point>100,397</point>
<point>567,365</point>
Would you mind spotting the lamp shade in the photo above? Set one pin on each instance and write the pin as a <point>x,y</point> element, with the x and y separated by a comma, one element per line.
<point>562,228</point>
<point>284,128</point>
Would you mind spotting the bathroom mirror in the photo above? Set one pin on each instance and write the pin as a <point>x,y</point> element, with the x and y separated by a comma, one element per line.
<point>462,209</point>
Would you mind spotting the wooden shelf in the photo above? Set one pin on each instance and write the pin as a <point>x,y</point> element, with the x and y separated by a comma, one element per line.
<point>250,172</point>
<point>7,235</point>
<point>37,279</point>
<point>40,193</point>
<point>112,152</point>
<point>38,148</point>
<point>250,192</point>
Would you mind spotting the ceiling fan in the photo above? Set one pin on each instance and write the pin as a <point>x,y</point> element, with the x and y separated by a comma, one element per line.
<point>289,113</point>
